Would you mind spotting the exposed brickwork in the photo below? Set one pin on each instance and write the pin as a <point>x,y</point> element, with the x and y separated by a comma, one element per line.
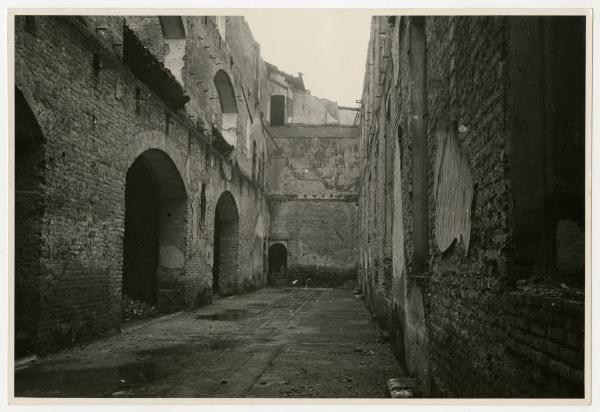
<point>470,325</point>
<point>320,237</point>
<point>86,109</point>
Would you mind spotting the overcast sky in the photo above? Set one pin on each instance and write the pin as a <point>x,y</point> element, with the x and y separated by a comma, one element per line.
<point>328,47</point>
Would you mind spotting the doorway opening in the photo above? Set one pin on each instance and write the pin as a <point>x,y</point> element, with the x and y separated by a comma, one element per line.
<point>277,262</point>
<point>155,221</point>
<point>226,242</point>
<point>29,211</point>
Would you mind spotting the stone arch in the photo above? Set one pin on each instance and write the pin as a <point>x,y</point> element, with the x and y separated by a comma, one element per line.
<point>278,255</point>
<point>29,211</point>
<point>226,245</point>
<point>154,245</point>
<point>228,105</point>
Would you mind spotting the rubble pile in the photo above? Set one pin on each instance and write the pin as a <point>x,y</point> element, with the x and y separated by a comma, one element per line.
<point>135,309</point>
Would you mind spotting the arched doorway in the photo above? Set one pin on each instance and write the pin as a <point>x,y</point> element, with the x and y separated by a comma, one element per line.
<point>277,262</point>
<point>155,222</point>
<point>226,241</point>
<point>29,210</point>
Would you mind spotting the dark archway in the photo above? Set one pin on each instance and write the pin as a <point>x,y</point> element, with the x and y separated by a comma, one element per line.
<point>277,262</point>
<point>155,222</point>
<point>29,210</point>
<point>226,242</point>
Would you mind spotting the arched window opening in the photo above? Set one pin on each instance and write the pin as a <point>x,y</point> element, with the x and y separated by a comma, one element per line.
<point>228,105</point>
<point>222,26</point>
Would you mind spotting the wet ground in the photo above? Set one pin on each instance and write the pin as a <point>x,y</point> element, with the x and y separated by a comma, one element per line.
<point>318,343</point>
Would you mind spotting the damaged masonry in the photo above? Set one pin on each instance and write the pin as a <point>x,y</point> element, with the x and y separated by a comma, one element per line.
<point>190,221</point>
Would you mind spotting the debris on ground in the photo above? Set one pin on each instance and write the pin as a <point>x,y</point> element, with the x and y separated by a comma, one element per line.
<point>404,388</point>
<point>350,284</point>
<point>26,361</point>
<point>135,309</point>
<point>384,336</point>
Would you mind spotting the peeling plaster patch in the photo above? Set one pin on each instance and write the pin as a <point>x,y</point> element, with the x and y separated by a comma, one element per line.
<point>453,193</point>
<point>171,257</point>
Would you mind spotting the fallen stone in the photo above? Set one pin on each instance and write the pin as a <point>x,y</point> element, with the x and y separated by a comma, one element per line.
<point>400,388</point>
<point>19,363</point>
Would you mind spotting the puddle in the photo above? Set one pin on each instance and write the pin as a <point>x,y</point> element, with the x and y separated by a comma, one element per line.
<point>84,382</point>
<point>224,344</point>
<point>123,379</point>
<point>228,315</point>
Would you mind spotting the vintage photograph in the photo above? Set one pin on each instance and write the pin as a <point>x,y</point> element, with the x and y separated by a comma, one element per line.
<point>299,204</point>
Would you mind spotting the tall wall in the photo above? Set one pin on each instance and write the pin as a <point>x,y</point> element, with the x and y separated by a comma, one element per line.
<point>460,125</point>
<point>314,173</point>
<point>99,111</point>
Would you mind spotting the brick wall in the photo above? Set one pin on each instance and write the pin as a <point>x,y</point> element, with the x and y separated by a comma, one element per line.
<point>320,238</point>
<point>470,325</point>
<point>92,135</point>
<point>314,171</point>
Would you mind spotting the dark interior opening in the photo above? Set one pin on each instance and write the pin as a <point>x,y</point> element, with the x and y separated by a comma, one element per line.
<point>155,232</point>
<point>29,210</point>
<point>141,234</point>
<point>277,110</point>
<point>548,148</point>
<point>277,261</point>
<point>226,240</point>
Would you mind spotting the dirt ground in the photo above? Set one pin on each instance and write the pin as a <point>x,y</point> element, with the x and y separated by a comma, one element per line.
<point>292,343</point>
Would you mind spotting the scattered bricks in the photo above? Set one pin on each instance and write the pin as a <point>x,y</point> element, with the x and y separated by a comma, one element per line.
<point>404,388</point>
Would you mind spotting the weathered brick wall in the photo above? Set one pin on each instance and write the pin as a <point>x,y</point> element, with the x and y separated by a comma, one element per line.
<point>320,237</point>
<point>465,328</point>
<point>92,136</point>
<point>315,161</point>
<point>314,172</point>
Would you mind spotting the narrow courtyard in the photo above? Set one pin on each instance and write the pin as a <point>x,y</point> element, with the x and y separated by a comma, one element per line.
<point>214,207</point>
<point>275,342</point>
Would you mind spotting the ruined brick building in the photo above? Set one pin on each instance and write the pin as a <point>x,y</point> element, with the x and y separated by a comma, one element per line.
<point>471,201</point>
<point>143,152</point>
<point>162,159</point>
